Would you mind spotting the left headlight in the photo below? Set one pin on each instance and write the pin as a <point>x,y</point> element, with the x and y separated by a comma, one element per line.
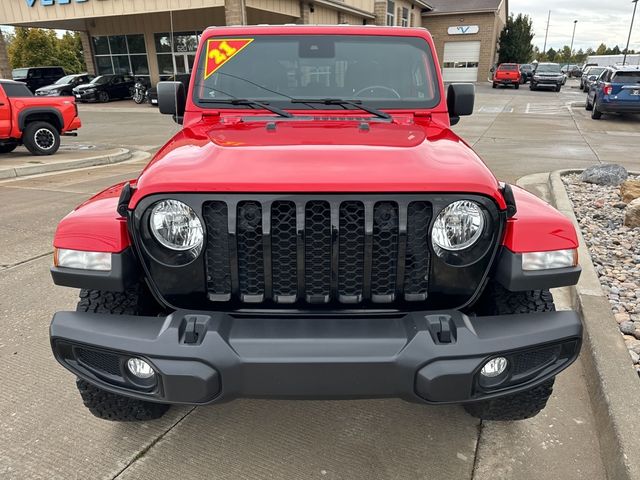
<point>458,226</point>
<point>176,226</point>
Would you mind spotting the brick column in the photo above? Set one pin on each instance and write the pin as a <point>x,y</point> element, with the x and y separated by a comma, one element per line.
<point>5,68</point>
<point>305,14</point>
<point>235,12</point>
<point>380,11</point>
<point>87,52</point>
<point>342,18</point>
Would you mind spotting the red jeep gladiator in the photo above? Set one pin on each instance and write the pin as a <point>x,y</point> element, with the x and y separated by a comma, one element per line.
<point>35,122</point>
<point>315,230</point>
<point>507,74</point>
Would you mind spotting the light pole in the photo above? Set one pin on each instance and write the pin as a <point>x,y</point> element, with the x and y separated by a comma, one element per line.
<point>575,22</point>
<point>635,4</point>
<point>546,34</point>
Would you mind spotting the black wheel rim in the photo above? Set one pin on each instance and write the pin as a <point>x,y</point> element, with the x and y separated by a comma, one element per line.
<point>44,139</point>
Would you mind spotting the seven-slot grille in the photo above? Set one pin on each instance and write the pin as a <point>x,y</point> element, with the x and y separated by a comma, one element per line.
<point>317,251</point>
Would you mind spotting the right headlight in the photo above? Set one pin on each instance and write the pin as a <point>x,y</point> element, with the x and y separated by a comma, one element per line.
<point>458,226</point>
<point>176,226</point>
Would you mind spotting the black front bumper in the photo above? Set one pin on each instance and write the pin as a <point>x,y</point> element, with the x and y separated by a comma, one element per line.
<point>204,357</point>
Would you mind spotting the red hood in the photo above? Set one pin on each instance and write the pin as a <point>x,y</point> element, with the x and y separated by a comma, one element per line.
<point>314,156</point>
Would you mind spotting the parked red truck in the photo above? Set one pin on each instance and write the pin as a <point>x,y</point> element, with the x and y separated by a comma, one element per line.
<point>507,74</point>
<point>35,122</point>
<point>315,230</point>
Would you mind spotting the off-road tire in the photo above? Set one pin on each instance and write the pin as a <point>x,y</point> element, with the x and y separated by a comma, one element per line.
<point>107,405</point>
<point>559,87</point>
<point>41,138</point>
<point>495,85</point>
<point>118,408</point>
<point>595,113</point>
<point>8,147</point>
<point>496,300</point>
<point>517,85</point>
<point>519,406</point>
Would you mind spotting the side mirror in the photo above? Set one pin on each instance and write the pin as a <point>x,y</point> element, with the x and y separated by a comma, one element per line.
<point>172,99</point>
<point>592,78</point>
<point>460,100</point>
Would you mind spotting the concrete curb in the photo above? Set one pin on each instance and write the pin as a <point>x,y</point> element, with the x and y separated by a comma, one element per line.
<point>120,155</point>
<point>612,383</point>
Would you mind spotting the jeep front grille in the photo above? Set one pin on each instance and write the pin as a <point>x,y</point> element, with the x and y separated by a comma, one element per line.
<point>317,251</point>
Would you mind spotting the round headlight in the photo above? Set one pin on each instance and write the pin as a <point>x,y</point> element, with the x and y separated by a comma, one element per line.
<point>176,226</point>
<point>458,226</point>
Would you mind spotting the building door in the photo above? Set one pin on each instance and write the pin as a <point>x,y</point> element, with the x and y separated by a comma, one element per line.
<point>460,62</point>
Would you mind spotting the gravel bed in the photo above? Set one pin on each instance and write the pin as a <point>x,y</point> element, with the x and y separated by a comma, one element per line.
<point>615,251</point>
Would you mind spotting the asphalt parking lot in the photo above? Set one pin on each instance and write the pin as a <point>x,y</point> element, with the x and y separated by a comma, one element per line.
<point>45,432</point>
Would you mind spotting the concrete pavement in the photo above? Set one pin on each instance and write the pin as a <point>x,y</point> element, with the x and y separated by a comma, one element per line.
<point>45,432</point>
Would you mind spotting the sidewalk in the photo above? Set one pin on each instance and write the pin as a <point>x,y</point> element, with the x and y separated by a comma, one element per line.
<point>20,162</point>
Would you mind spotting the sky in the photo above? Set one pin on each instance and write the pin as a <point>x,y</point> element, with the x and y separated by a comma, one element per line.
<point>599,21</point>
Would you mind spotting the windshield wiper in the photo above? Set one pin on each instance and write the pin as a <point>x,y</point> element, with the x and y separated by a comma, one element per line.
<point>249,102</point>
<point>343,102</point>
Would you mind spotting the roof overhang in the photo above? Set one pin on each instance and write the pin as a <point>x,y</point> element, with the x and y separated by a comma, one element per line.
<point>341,7</point>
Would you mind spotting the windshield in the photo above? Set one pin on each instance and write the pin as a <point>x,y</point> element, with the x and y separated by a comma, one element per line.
<point>101,80</point>
<point>65,80</point>
<point>627,77</point>
<point>508,66</point>
<point>381,71</point>
<point>19,73</point>
<point>595,71</point>
<point>548,68</point>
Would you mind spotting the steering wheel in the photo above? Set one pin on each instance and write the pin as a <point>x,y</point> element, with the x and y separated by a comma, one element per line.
<point>377,87</point>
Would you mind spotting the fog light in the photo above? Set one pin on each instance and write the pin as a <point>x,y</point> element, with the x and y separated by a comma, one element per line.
<point>494,367</point>
<point>139,368</point>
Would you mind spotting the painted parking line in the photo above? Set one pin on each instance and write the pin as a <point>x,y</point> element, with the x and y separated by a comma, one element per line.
<point>495,109</point>
<point>546,109</point>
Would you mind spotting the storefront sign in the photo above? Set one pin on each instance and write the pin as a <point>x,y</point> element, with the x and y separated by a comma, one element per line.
<point>463,30</point>
<point>47,3</point>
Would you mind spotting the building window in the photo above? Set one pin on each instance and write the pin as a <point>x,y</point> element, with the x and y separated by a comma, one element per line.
<point>121,54</point>
<point>391,8</point>
<point>177,56</point>
<point>404,20</point>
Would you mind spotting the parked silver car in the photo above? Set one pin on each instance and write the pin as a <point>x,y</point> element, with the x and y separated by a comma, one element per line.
<point>589,77</point>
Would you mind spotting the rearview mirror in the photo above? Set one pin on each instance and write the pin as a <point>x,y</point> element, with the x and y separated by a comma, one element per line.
<point>172,99</point>
<point>460,100</point>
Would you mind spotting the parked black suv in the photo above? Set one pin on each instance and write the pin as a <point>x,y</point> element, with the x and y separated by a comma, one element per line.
<point>36,77</point>
<point>526,72</point>
<point>104,88</point>
<point>65,85</point>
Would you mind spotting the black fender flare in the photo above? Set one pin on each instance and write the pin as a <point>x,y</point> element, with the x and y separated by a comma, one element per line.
<point>23,116</point>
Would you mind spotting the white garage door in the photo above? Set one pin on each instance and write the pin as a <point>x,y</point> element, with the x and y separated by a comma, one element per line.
<point>460,63</point>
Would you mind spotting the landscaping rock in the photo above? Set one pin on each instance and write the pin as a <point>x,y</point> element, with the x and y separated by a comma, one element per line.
<point>632,214</point>
<point>630,190</point>
<point>610,174</point>
<point>615,250</point>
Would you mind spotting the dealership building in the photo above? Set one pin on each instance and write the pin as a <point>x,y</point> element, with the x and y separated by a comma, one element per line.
<point>135,36</point>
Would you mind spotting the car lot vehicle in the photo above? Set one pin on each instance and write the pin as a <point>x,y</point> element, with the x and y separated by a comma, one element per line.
<point>36,77</point>
<point>547,75</point>
<point>571,70</point>
<point>315,236</point>
<point>65,85</point>
<point>35,122</point>
<point>617,90</point>
<point>105,88</point>
<point>507,74</point>
<point>526,72</point>
<point>590,76</point>
<point>181,77</point>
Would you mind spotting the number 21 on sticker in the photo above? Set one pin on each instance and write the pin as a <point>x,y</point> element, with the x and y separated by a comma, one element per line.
<point>221,50</point>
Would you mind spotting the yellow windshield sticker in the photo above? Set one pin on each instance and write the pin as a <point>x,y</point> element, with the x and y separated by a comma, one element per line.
<point>221,50</point>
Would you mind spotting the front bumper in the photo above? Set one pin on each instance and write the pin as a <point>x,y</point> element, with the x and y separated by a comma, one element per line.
<point>85,97</point>
<point>204,357</point>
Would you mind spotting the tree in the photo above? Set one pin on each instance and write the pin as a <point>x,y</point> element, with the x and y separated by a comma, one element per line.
<point>37,47</point>
<point>551,55</point>
<point>602,49</point>
<point>515,40</point>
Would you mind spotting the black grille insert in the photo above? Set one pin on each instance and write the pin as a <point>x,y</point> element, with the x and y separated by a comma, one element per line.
<point>101,361</point>
<point>297,250</point>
